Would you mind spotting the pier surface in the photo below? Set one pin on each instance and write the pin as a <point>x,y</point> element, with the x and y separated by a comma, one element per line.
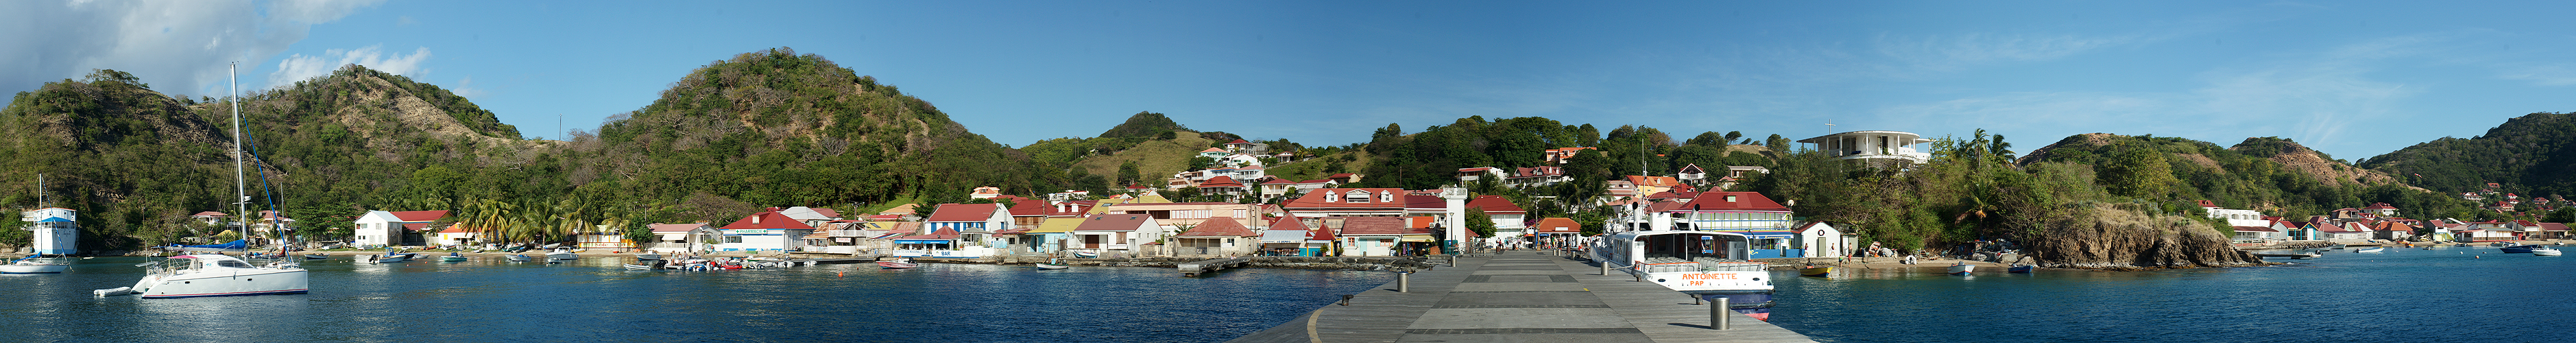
<point>1520,297</point>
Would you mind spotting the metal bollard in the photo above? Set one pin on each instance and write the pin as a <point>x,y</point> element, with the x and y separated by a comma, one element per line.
<point>1404,282</point>
<point>1605,268</point>
<point>1346,299</point>
<point>1717,314</point>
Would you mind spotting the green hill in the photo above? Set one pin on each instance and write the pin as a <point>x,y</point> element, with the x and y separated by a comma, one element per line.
<point>2529,155</point>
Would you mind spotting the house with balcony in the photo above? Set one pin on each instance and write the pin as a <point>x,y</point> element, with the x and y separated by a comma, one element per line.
<point>1116,235</point>
<point>974,223</point>
<point>1874,147</point>
<point>395,228</point>
<point>1349,202</point>
<point>1767,224</point>
<point>691,237</point>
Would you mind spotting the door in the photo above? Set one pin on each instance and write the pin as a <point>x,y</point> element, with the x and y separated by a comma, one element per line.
<point>1091,241</point>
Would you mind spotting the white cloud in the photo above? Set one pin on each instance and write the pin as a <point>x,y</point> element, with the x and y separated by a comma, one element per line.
<point>299,67</point>
<point>178,46</point>
<point>1953,52</point>
<point>2545,75</point>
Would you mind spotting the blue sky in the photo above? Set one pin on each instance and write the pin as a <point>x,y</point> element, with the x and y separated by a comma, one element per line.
<point>2353,79</point>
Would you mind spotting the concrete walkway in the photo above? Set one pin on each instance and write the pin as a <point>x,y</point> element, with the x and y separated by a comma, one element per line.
<point>1520,297</point>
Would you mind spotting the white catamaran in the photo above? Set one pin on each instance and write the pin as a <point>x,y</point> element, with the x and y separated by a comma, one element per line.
<point>1701,263</point>
<point>214,274</point>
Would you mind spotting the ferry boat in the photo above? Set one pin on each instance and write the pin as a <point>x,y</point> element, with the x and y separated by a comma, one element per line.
<point>1701,263</point>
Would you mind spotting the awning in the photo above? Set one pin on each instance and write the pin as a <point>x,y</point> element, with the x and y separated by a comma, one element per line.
<point>1420,238</point>
<point>1769,234</point>
<point>923,241</point>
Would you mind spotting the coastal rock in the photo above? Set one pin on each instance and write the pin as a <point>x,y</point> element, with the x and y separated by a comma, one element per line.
<point>2119,237</point>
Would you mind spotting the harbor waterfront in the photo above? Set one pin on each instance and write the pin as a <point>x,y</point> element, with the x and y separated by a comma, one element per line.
<point>2446,294</point>
<point>593,298</point>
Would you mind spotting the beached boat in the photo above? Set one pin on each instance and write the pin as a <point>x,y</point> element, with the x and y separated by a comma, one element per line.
<point>2371,250</point>
<point>648,256</point>
<point>2544,251</point>
<point>1053,264</point>
<point>452,257</point>
<point>1705,264</point>
<point>1816,271</point>
<point>898,264</point>
<point>2021,269</point>
<point>316,256</point>
<point>32,265</point>
<point>1962,268</point>
<point>518,258</point>
<point>562,254</point>
<point>2519,249</point>
<point>1086,254</point>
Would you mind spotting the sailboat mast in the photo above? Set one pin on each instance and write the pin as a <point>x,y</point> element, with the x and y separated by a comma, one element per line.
<point>241,189</point>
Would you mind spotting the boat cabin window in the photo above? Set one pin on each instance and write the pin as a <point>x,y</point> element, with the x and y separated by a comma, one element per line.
<point>1692,247</point>
<point>232,264</point>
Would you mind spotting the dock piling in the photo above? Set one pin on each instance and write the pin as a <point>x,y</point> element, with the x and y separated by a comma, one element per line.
<point>1404,282</point>
<point>1717,314</point>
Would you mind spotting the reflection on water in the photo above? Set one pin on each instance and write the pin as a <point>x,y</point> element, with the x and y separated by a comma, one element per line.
<point>2401,294</point>
<point>490,299</point>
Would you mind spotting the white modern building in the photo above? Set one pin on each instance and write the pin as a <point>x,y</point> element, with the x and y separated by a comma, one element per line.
<point>1873,146</point>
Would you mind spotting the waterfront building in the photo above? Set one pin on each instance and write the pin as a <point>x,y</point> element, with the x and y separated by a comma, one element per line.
<point>764,231</point>
<point>1765,223</point>
<point>1557,231</point>
<point>1288,236</point>
<point>1219,236</point>
<point>1049,237</point>
<point>1377,236</point>
<point>453,235</point>
<point>940,242</point>
<point>974,223</point>
<point>1509,219</point>
<point>1820,239</point>
<point>1176,216</point>
<point>691,237</point>
<point>1349,202</point>
<point>56,230</point>
<point>1876,148</point>
<point>1122,234</point>
<point>394,228</point>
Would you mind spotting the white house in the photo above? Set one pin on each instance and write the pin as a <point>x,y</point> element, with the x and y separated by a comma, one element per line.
<point>974,223</point>
<point>394,228</point>
<point>685,237</point>
<point>1115,233</point>
<point>56,229</point>
<point>1820,239</point>
<point>1873,146</point>
<point>1217,237</point>
<point>2234,217</point>
<point>766,231</point>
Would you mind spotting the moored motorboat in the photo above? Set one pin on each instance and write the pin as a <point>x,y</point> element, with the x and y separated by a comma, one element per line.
<point>2518,249</point>
<point>1053,264</point>
<point>898,264</point>
<point>2544,251</point>
<point>2371,250</point>
<point>1705,264</point>
<point>643,264</point>
<point>32,265</point>
<point>394,258</point>
<point>1086,254</point>
<point>316,256</point>
<point>1816,271</point>
<point>452,257</point>
<point>1962,268</point>
<point>648,256</point>
<point>562,254</point>
<point>518,258</point>
<point>2021,269</point>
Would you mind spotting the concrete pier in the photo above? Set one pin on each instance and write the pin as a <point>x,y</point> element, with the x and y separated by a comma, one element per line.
<point>1520,297</point>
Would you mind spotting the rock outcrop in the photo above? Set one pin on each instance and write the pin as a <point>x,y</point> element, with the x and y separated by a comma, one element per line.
<point>2116,236</point>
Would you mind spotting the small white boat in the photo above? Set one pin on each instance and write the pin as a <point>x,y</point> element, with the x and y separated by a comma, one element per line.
<point>395,258</point>
<point>647,256</point>
<point>31,265</point>
<point>562,254</point>
<point>2544,252</point>
<point>1053,264</point>
<point>898,264</point>
<point>518,258</point>
<point>2371,250</point>
<point>1962,268</point>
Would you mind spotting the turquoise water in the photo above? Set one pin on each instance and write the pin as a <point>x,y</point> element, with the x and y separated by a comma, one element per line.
<point>2459,294</point>
<point>594,299</point>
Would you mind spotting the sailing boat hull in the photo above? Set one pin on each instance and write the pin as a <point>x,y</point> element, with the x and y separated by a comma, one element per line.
<point>33,268</point>
<point>226,282</point>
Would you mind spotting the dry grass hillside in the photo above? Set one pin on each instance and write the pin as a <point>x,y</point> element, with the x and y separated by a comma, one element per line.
<point>1157,159</point>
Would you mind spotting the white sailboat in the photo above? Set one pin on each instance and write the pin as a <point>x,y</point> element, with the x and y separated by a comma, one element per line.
<point>214,274</point>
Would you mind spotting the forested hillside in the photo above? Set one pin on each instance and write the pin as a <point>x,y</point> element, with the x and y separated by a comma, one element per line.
<point>2529,155</point>
<point>2269,174</point>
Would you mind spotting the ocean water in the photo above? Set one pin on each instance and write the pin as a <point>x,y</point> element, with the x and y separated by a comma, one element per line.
<point>2459,294</point>
<point>593,300</point>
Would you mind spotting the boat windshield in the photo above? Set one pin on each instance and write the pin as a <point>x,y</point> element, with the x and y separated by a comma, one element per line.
<point>1678,248</point>
<point>232,264</point>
